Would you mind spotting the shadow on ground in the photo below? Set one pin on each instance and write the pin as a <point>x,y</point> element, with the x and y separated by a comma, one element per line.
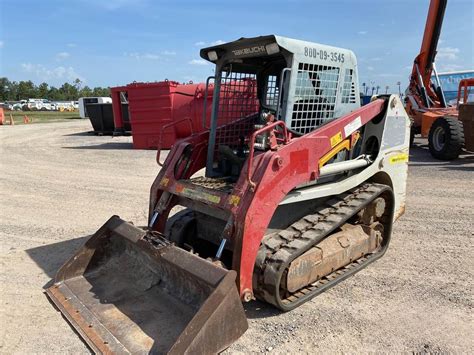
<point>257,309</point>
<point>420,156</point>
<point>112,145</point>
<point>52,256</point>
<point>80,134</point>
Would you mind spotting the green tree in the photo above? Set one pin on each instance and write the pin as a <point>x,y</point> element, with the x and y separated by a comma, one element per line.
<point>12,91</point>
<point>69,92</point>
<point>54,94</point>
<point>85,92</point>
<point>15,91</point>
<point>101,92</point>
<point>77,84</point>
<point>26,90</point>
<point>43,90</point>
<point>4,88</point>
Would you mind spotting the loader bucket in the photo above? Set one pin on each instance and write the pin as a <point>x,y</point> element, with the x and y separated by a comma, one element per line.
<point>129,291</point>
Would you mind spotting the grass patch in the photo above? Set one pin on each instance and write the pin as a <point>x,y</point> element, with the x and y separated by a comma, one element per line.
<point>40,116</point>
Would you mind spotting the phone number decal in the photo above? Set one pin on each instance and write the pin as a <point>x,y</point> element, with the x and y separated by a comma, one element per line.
<point>324,55</point>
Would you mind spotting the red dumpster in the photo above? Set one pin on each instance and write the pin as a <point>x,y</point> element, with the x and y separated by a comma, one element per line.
<point>173,111</point>
<point>157,107</point>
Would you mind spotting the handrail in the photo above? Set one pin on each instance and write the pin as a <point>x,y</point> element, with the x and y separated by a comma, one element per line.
<point>160,142</point>
<point>252,146</point>
<point>204,113</point>
<point>463,85</point>
<point>280,90</point>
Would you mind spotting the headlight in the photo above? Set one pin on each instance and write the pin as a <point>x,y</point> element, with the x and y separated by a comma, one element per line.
<point>272,48</point>
<point>212,55</point>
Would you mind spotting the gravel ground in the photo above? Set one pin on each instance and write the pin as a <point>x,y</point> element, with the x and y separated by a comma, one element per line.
<point>58,184</point>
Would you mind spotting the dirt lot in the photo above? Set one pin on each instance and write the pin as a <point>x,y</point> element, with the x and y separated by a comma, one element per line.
<point>59,184</point>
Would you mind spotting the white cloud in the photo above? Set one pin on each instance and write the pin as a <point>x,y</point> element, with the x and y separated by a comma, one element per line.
<point>448,53</point>
<point>362,32</point>
<point>168,53</point>
<point>449,67</point>
<point>370,68</point>
<point>62,56</point>
<point>43,73</point>
<point>141,56</point>
<point>213,43</point>
<point>198,62</point>
<point>216,43</point>
<point>2,44</point>
<point>71,45</point>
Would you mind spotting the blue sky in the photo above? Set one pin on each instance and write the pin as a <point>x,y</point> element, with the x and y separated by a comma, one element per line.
<point>114,42</point>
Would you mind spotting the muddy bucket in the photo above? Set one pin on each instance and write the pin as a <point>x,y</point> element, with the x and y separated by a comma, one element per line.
<point>128,291</point>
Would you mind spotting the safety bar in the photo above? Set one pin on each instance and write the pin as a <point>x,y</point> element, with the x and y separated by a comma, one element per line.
<point>252,146</point>
<point>160,142</point>
<point>204,113</point>
<point>280,90</point>
<point>463,88</point>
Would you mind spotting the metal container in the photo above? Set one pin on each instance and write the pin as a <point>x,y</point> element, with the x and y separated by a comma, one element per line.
<point>156,108</point>
<point>102,118</point>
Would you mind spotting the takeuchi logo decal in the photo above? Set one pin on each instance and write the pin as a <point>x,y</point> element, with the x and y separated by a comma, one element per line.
<point>249,50</point>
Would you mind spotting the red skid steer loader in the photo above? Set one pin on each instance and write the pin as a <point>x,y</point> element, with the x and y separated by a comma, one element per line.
<point>292,188</point>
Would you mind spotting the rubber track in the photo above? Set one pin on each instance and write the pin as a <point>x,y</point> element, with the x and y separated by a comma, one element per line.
<point>279,250</point>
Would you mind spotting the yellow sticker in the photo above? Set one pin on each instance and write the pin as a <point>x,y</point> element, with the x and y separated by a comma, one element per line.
<point>200,195</point>
<point>164,181</point>
<point>234,200</point>
<point>336,139</point>
<point>399,158</point>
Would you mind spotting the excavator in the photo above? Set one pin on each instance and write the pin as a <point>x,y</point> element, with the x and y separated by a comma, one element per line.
<point>426,105</point>
<point>292,188</point>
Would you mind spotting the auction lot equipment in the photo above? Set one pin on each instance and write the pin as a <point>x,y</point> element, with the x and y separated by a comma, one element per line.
<point>102,118</point>
<point>165,110</point>
<point>301,187</point>
<point>466,111</point>
<point>425,102</point>
<point>84,101</point>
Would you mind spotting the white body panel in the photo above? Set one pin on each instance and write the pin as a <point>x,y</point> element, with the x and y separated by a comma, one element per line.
<point>334,69</point>
<point>391,160</point>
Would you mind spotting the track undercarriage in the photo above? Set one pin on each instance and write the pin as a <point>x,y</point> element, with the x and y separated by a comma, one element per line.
<point>339,238</point>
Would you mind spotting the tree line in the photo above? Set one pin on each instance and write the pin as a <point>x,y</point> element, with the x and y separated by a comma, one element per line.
<point>23,90</point>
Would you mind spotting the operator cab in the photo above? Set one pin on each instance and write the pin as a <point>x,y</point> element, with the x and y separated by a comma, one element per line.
<point>270,78</point>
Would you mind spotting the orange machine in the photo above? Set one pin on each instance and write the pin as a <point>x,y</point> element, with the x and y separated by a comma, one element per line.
<point>426,105</point>
<point>465,106</point>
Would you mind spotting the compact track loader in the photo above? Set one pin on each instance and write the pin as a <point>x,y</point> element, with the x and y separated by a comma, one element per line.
<point>292,188</point>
